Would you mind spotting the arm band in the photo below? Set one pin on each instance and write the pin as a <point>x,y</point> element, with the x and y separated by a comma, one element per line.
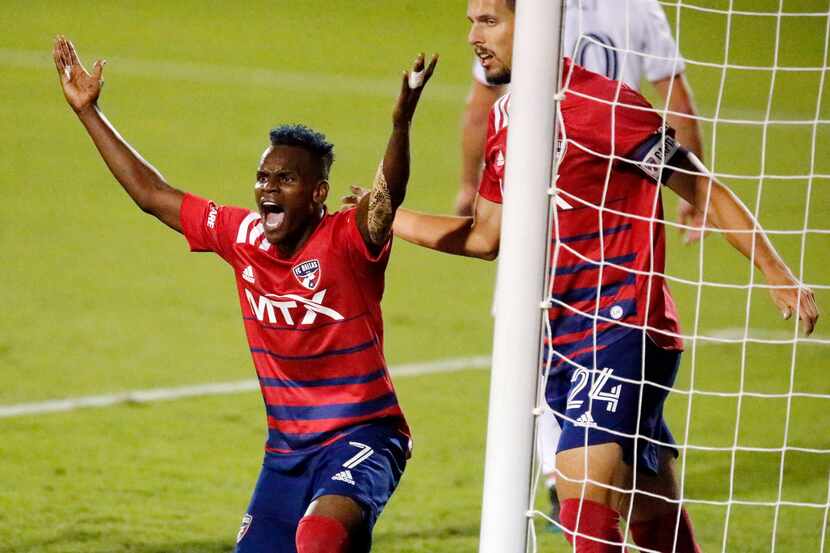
<point>659,155</point>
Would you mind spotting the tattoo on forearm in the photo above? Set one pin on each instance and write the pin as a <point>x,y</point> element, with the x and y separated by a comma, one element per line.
<point>381,215</point>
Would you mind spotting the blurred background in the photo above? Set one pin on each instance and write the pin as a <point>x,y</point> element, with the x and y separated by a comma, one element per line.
<point>98,298</point>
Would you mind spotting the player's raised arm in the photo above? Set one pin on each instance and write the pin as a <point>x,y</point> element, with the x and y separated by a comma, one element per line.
<point>727,212</point>
<point>141,181</point>
<point>376,210</point>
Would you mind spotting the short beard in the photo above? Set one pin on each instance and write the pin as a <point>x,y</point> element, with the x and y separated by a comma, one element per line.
<point>499,78</point>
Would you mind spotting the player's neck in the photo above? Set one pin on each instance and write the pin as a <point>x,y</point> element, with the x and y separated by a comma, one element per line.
<point>288,248</point>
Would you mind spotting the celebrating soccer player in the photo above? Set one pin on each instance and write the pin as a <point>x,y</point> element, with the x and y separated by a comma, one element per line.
<point>310,284</point>
<point>609,259</point>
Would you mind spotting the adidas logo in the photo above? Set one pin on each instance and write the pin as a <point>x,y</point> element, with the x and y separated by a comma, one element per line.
<point>586,420</point>
<point>248,274</point>
<point>344,476</point>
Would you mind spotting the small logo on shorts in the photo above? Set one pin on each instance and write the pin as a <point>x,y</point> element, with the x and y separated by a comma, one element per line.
<point>586,420</point>
<point>616,312</point>
<point>243,529</point>
<point>364,453</point>
<point>344,476</point>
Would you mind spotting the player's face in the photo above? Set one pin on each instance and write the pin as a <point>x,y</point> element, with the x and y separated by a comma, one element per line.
<point>491,35</point>
<point>290,193</point>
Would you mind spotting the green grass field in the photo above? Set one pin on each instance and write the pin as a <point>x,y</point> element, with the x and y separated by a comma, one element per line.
<point>98,298</point>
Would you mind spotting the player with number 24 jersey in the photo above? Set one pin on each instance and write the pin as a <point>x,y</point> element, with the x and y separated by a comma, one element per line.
<point>612,257</point>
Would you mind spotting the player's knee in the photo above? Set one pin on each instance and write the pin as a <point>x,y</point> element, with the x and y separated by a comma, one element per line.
<point>321,534</point>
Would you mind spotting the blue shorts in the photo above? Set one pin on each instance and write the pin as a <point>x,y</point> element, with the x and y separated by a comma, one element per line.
<point>365,465</point>
<point>597,402</point>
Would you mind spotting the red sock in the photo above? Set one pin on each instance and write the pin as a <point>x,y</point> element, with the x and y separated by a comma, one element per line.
<point>318,534</point>
<point>595,521</point>
<point>658,534</point>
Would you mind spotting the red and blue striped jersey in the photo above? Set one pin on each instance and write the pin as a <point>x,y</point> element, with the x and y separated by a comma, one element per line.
<point>608,243</point>
<point>313,322</point>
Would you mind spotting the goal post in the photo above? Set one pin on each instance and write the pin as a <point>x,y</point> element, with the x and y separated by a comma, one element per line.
<point>516,348</point>
<point>749,408</point>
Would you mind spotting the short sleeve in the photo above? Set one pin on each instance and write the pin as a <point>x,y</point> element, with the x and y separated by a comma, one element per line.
<point>361,257</point>
<point>634,120</point>
<point>209,227</point>
<point>490,185</point>
<point>603,121</point>
<point>662,59</point>
<point>657,156</point>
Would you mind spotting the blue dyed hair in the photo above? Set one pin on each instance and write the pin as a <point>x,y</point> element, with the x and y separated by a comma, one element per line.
<point>307,139</point>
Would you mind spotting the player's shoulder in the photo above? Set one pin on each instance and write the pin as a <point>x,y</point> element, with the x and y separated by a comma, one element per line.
<point>238,225</point>
<point>336,225</point>
<point>244,225</point>
<point>343,240</point>
<point>218,217</point>
<point>344,216</point>
<point>589,86</point>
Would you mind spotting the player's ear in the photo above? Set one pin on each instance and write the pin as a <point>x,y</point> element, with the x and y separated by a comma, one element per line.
<point>321,191</point>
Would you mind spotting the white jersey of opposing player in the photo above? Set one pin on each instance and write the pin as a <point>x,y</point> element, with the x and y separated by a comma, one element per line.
<point>627,40</point>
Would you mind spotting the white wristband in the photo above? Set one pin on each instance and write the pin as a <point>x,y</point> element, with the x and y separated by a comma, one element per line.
<point>416,79</point>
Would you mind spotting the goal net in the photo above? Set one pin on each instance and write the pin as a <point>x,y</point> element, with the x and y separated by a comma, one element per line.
<point>750,406</point>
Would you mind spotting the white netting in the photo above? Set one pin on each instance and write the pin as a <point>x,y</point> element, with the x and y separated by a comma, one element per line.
<point>751,404</point>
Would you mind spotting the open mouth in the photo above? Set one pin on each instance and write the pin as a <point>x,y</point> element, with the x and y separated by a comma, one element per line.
<point>272,214</point>
<point>484,58</point>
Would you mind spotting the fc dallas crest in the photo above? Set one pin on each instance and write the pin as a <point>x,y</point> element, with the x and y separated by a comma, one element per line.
<point>308,273</point>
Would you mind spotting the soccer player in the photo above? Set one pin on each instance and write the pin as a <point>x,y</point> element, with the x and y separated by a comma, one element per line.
<point>610,371</point>
<point>626,40</point>
<point>310,284</point>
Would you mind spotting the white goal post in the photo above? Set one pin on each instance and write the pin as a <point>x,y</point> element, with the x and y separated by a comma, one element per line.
<point>522,258</point>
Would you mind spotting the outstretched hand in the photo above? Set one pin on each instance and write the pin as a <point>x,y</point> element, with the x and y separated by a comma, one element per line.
<point>790,296</point>
<point>412,84</point>
<point>80,88</point>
